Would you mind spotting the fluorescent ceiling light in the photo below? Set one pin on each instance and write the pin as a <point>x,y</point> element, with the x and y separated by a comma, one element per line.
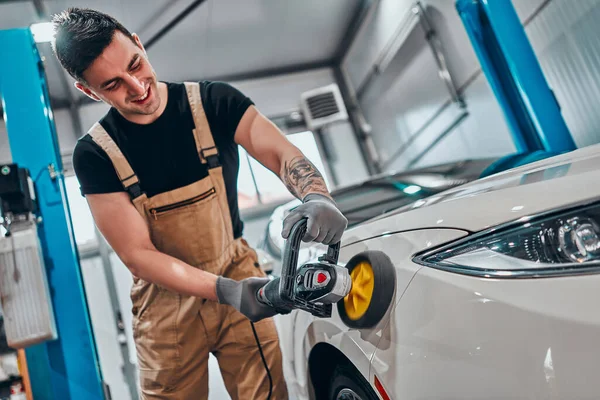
<point>42,32</point>
<point>412,189</point>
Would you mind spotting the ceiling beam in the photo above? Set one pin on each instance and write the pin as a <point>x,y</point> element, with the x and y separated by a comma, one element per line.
<point>273,72</point>
<point>356,23</point>
<point>178,18</point>
<point>159,12</point>
<point>40,9</point>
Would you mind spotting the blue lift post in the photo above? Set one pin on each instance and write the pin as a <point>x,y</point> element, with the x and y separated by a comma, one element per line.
<point>66,368</point>
<point>513,71</point>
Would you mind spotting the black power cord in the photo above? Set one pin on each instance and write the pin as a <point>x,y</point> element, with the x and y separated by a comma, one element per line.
<point>263,360</point>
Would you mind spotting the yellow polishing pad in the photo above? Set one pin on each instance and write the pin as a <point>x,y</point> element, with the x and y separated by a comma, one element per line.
<point>359,298</point>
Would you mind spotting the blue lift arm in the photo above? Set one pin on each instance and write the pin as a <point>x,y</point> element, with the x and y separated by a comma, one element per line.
<point>66,368</point>
<point>513,71</point>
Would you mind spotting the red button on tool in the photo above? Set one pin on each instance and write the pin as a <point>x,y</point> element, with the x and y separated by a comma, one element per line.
<point>321,277</point>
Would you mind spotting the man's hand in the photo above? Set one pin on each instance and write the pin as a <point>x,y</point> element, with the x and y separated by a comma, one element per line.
<point>326,224</point>
<point>241,295</point>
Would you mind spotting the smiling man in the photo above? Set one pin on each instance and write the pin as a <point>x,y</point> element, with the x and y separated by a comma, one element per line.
<point>159,172</point>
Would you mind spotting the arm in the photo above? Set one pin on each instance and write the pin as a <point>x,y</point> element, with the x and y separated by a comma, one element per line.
<point>126,232</point>
<point>264,142</point>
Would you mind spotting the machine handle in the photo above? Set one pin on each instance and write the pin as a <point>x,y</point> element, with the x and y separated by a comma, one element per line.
<point>284,295</point>
<point>270,295</point>
<point>292,250</point>
<point>289,263</point>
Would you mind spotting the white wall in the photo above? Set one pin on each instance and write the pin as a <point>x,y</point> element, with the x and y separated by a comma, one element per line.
<point>564,37</point>
<point>386,18</point>
<point>67,137</point>
<point>482,134</point>
<point>90,114</point>
<point>409,93</point>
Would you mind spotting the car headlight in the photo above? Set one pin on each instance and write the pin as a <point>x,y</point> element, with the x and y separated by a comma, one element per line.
<point>562,243</point>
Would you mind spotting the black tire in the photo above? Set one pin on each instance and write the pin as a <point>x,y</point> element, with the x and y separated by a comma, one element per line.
<point>383,289</point>
<point>346,378</point>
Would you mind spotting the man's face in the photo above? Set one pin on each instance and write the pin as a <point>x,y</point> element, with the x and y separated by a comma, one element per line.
<point>123,77</point>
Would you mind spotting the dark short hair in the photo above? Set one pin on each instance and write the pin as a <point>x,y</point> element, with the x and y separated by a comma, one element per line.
<point>81,35</point>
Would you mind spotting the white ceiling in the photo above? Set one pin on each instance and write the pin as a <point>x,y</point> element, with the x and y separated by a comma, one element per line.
<point>220,39</point>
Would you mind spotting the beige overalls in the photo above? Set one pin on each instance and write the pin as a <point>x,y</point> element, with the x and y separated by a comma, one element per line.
<point>174,333</point>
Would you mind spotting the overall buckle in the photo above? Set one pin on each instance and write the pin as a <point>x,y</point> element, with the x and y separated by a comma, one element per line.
<point>134,190</point>
<point>212,160</point>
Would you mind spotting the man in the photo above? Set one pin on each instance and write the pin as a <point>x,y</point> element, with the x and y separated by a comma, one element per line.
<point>159,172</point>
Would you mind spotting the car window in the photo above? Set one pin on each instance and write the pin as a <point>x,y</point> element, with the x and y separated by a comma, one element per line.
<point>359,204</point>
<point>377,196</point>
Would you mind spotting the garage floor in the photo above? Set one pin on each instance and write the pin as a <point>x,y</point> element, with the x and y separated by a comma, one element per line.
<point>216,386</point>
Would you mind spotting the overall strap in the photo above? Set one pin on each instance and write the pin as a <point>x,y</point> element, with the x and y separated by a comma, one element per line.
<point>128,178</point>
<point>205,144</point>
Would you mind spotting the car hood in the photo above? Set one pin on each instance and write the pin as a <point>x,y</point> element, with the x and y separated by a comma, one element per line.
<point>538,187</point>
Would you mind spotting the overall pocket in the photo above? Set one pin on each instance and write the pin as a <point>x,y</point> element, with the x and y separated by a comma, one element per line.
<point>193,230</point>
<point>158,211</point>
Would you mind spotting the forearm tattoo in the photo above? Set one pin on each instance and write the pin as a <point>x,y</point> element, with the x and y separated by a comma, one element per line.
<point>301,177</point>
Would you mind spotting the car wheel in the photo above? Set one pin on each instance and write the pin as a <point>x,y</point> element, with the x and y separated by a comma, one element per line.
<point>371,272</point>
<point>348,384</point>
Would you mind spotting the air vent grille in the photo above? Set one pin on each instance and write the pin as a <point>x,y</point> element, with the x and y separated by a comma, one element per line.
<point>323,106</point>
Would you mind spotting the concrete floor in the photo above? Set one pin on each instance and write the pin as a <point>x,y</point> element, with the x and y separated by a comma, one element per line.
<point>216,387</point>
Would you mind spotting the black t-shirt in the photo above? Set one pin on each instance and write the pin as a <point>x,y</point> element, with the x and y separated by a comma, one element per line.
<point>163,154</point>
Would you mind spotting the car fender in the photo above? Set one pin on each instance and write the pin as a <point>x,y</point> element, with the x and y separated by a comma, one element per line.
<point>358,346</point>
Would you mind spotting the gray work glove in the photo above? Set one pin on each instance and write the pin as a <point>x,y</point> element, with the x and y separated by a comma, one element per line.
<point>326,224</point>
<point>241,295</point>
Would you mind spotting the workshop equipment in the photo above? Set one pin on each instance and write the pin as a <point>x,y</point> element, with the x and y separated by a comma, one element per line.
<point>67,368</point>
<point>315,286</point>
<point>514,74</point>
<point>24,293</point>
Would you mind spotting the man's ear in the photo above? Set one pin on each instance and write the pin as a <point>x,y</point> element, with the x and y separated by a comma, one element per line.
<point>138,41</point>
<point>85,90</point>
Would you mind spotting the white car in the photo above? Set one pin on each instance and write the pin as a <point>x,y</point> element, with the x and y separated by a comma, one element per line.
<point>496,295</point>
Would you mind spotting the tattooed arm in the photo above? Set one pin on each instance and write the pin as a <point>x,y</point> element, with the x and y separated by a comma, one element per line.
<point>301,177</point>
<point>265,143</point>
